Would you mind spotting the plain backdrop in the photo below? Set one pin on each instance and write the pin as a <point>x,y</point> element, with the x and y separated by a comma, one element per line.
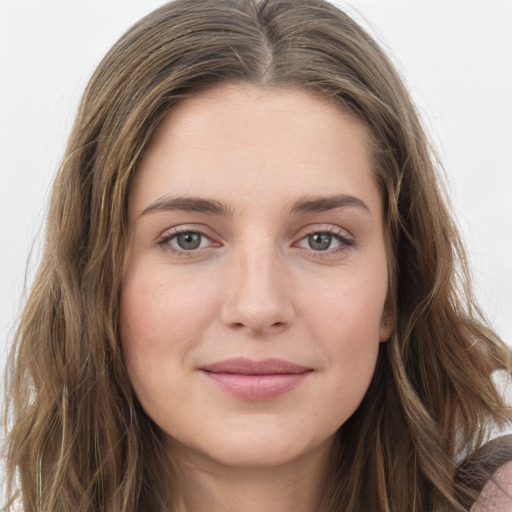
<point>455,56</point>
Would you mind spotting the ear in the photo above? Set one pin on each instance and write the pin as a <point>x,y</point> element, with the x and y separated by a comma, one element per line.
<point>387,324</point>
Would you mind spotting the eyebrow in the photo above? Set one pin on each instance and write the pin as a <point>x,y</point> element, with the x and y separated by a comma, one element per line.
<point>306,204</point>
<point>325,203</point>
<point>187,204</point>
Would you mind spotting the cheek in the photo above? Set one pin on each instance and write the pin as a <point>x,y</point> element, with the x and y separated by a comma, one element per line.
<point>161,319</point>
<point>346,328</point>
<point>350,306</point>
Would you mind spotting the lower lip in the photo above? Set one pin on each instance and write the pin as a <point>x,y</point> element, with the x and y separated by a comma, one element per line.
<point>257,387</point>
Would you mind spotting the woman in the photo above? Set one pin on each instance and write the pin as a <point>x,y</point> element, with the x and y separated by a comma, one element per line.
<point>252,295</point>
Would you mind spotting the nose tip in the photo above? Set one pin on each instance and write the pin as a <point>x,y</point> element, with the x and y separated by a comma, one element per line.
<point>258,299</point>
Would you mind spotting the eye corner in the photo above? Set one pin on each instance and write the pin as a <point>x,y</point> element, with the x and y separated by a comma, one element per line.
<point>187,241</point>
<point>319,239</point>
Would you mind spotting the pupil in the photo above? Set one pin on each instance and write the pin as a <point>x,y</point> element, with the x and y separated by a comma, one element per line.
<point>320,241</point>
<point>189,241</point>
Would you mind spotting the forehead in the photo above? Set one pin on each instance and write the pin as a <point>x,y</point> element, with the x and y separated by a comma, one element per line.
<point>239,140</point>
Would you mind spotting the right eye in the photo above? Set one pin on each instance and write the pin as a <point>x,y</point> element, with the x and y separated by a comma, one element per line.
<point>185,241</point>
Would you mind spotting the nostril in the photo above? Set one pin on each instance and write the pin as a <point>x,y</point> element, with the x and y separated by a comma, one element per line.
<point>276,326</point>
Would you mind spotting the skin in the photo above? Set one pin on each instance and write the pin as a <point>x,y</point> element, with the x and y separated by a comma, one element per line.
<point>496,494</point>
<point>254,288</point>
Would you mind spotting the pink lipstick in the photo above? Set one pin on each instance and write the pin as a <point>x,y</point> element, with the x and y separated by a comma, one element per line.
<point>256,380</point>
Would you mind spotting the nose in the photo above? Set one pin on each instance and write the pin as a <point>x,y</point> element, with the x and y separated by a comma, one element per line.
<point>258,297</point>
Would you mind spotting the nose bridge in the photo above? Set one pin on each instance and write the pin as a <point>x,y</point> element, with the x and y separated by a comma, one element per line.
<point>258,297</point>
<point>258,275</point>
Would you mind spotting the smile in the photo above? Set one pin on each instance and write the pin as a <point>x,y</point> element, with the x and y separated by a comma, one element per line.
<point>256,380</point>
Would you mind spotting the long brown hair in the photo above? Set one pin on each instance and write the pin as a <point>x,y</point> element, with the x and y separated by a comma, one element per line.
<point>78,439</point>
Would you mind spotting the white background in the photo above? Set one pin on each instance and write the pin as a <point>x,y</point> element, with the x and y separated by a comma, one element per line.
<point>455,56</point>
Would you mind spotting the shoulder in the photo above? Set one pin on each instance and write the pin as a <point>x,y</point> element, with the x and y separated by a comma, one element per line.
<point>487,473</point>
<point>496,496</point>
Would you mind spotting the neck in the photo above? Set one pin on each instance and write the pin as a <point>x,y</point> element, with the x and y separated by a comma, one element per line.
<point>297,486</point>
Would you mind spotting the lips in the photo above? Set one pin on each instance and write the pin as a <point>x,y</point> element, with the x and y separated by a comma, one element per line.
<point>256,380</point>
<point>248,367</point>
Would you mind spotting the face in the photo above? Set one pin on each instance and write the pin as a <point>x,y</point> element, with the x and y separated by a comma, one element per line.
<point>254,293</point>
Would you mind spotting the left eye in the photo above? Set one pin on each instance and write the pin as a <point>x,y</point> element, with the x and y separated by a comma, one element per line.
<point>322,241</point>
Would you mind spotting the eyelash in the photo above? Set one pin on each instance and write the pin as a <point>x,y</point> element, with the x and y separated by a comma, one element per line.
<point>164,241</point>
<point>344,241</point>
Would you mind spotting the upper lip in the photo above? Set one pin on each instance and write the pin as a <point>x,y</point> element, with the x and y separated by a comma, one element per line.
<point>242,366</point>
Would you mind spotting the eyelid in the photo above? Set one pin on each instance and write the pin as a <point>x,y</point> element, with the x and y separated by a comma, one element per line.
<point>324,228</point>
<point>164,239</point>
<point>345,238</point>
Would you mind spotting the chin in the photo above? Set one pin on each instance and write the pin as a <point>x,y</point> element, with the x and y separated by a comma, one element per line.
<point>256,455</point>
<point>256,447</point>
